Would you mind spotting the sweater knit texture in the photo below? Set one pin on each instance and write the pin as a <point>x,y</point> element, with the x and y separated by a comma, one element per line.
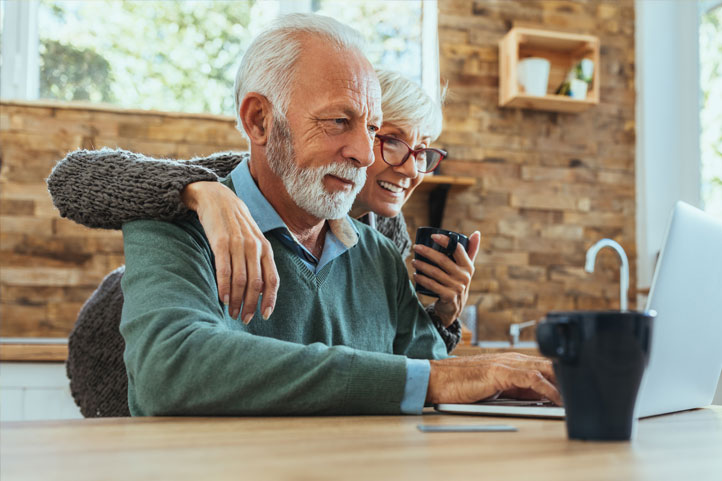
<point>106,188</point>
<point>95,367</point>
<point>335,344</point>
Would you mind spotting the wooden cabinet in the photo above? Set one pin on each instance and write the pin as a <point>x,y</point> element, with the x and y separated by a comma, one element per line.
<point>32,391</point>
<point>563,50</point>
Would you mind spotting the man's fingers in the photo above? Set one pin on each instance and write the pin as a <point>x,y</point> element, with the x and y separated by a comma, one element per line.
<point>518,360</point>
<point>549,391</point>
<point>545,367</point>
<point>478,377</point>
<point>535,380</point>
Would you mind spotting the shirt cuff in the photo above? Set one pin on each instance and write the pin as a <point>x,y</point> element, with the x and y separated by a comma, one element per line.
<point>417,383</point>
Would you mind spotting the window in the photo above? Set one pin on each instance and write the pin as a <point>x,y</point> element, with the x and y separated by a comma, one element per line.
<point>181,55</point>
<point>176,56</point>
<point>710,53</point>
<point>392,30</point>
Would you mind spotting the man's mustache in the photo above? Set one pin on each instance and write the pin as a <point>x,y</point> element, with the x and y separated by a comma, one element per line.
<point>346,171</point>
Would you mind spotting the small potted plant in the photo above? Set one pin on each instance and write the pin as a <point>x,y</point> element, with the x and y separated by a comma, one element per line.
<point>577,82</point>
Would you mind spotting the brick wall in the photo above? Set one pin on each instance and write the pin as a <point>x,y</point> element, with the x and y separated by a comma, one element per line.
<point>50,265</point>
<point>548,185</point>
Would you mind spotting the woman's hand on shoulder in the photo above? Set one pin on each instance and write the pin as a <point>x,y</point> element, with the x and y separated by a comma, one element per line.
<point>244,261</point>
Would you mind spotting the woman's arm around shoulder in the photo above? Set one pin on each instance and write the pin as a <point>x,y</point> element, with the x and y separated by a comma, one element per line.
<point>106,188</point>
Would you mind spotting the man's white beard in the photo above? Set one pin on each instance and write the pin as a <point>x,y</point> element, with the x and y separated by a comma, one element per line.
<point>305,186</point>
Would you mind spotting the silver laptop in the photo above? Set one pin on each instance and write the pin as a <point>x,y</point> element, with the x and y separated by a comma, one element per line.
<point>686,355</point>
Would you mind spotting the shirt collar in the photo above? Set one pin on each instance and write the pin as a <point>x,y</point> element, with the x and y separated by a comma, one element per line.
<point>266,216</point>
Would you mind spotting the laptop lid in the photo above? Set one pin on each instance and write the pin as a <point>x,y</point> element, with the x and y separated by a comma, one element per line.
<point>686,355</point>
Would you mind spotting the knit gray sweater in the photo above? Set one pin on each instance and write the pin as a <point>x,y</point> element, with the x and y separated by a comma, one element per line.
<point>107,188</point>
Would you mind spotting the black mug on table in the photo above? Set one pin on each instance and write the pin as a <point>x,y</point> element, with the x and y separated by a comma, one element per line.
<point>599,358</point>
<point>423,237</point>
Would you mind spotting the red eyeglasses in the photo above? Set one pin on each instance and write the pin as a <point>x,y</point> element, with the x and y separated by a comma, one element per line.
<point>395,152</point>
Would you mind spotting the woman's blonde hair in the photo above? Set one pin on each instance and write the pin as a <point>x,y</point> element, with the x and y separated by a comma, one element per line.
<point>406,105</point>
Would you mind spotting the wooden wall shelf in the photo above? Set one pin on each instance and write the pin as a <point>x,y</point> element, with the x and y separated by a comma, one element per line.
<point>430,181</point>
<point>563,50</point>
<point>438,187</point>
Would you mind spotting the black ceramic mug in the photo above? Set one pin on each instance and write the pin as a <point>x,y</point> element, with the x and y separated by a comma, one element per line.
<point>423,237</point>
<point>599,358</point>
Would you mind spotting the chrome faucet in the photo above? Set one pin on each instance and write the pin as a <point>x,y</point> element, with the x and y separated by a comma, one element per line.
<point>623,271</point>
<point>515,331</point>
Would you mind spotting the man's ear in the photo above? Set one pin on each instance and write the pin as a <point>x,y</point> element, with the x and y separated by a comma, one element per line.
<point>256,115</point>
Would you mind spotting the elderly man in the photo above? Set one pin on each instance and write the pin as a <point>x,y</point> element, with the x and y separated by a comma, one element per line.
<point>347,335</point>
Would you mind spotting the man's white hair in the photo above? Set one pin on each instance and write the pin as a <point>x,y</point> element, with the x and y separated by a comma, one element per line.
<point>406,105</point>
<point>268,66</point>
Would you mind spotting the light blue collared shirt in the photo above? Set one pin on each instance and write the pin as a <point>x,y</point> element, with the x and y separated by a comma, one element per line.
<point>267,219</point>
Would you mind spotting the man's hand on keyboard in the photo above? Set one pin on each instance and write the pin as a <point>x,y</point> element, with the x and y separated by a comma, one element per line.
<point>470,379</point>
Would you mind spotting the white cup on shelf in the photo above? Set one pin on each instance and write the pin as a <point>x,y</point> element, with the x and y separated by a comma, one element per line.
<point>578,89</point>
<point>534,75</point>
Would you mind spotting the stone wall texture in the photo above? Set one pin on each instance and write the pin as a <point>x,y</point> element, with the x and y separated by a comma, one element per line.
<point>548,185</point>
<point>48,264</point>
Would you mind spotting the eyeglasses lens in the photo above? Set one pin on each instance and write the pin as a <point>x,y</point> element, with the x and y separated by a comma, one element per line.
<point>427,160</point>
<point>394,153</point>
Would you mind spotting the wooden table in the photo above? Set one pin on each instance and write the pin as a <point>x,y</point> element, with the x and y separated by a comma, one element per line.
<point>683,446</point>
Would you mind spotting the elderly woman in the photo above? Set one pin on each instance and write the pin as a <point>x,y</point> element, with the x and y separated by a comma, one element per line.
<point>109,187</point>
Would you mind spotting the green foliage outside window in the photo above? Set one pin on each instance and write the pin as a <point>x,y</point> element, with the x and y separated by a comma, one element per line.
<point>163,55</point>
<point>391,28</point>
<point>183,55</point>
<point>69,73</point>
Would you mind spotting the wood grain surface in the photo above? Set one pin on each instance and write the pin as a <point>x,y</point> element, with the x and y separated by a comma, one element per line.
<point>36,352</point>
<point>683,446</point>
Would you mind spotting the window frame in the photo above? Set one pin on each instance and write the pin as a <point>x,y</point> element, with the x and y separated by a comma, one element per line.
<point>20,78</point>
<point>668,102</point>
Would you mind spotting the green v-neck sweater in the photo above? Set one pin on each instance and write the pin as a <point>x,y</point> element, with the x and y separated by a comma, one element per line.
<point>335,344</point>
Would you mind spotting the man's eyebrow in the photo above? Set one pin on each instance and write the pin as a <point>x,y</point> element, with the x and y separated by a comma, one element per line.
<point>375,116</point>
<point>350,112</point>
<point>340,109</point>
